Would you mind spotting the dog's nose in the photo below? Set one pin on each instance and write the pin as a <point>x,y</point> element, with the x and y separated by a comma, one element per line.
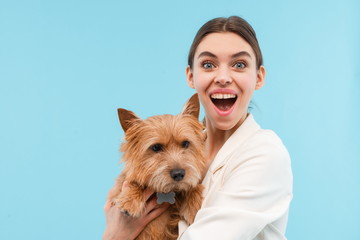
<point>177,174</point>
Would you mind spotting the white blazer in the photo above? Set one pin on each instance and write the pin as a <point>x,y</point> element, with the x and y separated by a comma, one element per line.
<point>248,189</point>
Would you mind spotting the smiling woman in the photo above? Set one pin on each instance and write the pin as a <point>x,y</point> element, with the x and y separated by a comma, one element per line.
<point>249,180</point>
<point>225,99</point>
<point>226,59</point>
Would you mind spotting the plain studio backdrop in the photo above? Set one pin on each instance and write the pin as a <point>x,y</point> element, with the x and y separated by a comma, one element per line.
<point>66,66</point>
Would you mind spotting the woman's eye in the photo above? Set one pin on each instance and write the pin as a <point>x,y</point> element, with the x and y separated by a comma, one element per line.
<point>240,65</point>
<point>208,65</point>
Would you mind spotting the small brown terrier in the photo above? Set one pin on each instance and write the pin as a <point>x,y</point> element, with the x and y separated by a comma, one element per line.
<point>165,154</point>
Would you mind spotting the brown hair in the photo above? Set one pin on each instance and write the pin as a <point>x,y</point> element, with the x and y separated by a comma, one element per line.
<point>232,24</point>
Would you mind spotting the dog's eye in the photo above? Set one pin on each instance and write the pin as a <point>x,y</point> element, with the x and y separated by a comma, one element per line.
<point>157,147</point>
<point>185,144</point>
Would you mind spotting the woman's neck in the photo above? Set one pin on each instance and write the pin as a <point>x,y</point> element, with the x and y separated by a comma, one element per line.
<point>216,138</point>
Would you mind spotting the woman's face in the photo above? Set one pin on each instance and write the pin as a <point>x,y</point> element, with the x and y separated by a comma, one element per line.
<point>225,76</point>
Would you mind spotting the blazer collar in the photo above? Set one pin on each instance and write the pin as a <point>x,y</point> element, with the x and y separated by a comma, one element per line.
<point>246,130</point>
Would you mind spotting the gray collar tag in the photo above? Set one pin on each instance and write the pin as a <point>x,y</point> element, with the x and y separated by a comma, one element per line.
<point>165,197</point>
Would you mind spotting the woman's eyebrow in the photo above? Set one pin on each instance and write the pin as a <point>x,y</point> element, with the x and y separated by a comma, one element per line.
<point>241,54</point>
<point>236,55</point>
<point>207,54</point>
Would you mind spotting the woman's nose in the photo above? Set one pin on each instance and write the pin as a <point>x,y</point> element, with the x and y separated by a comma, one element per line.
<point>223,76</point>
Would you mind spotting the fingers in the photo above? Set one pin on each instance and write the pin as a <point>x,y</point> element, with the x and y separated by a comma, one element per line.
<point>155,212</point>
<point>148,193</point>
<point>107,205</point>
<point>112,191</point>
<point>125,187</point>
<point>151,204</point>
<point>153,209</point>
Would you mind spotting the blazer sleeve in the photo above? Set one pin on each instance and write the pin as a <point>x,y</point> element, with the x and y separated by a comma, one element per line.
<point>256,191</point>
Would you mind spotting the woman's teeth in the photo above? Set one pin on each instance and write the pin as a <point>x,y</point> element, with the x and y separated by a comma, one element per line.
<point>223,101</point>
<point>222,96</point>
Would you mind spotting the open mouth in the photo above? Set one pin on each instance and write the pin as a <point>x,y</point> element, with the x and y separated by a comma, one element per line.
<point>223,102</point>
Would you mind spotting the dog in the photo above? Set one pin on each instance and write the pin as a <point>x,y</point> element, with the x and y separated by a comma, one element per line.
<point>164,153</point>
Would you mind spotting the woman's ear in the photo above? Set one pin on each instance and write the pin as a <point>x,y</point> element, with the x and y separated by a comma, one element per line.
<point>260,80</point>
<point>189,76</point>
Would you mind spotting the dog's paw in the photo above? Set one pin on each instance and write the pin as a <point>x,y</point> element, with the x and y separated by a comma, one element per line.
<point>126,213</point>
<point>131,208</point>
<point>192,203</point>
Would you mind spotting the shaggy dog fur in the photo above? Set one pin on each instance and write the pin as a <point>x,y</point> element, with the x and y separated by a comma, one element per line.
<point>165,154</point>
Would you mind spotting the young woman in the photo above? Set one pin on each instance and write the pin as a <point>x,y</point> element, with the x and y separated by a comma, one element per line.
<point>248,185</point>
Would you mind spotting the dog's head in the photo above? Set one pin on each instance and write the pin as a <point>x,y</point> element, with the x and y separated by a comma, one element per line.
<point>166,152</point>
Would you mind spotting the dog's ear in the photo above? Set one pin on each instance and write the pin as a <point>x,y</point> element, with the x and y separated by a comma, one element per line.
<point>192,107</point>
<point>127,118</point>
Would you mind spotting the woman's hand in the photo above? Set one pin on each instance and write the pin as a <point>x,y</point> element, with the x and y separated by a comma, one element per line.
<point>122,227</point>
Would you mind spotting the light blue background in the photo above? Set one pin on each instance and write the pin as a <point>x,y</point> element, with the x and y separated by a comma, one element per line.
<point>65,66</point>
